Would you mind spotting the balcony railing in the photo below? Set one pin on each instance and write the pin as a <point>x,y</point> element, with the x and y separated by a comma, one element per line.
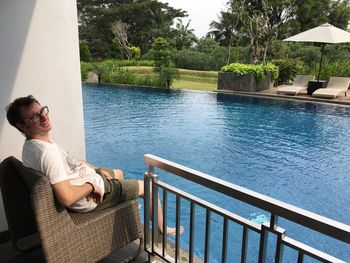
<point>275,207</point>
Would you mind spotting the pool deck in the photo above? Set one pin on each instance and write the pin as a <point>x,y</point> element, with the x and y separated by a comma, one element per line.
<point>272,93</point>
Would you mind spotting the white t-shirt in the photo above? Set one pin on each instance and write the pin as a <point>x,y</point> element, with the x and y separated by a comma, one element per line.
<point>53,161</point>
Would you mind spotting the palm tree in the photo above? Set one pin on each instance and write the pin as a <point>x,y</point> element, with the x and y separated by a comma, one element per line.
<point>184,37</point>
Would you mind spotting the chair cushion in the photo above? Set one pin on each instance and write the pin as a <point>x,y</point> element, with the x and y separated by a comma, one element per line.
<point>28,175</point>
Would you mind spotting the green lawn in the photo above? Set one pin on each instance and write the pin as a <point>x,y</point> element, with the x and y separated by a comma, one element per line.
<point>194,85</point>
<point>189,79</point>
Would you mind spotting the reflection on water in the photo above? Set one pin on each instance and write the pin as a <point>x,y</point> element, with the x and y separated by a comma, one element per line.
<point>297,152</point>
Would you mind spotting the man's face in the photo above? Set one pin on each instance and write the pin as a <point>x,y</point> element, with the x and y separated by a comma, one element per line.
<point>36,120</point>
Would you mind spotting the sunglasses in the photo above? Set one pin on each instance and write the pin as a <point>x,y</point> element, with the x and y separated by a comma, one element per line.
<point>36,118</point>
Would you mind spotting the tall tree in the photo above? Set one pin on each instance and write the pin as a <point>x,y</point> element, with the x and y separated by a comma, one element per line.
<point>225,29</point>
<point>339,14</point>
<point>313,13</point>
<point>261,20</point>
<point>119,30</point>
<point>146,20</point>
<point>184,37</point>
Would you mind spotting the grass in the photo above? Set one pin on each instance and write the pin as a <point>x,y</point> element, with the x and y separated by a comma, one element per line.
<point>190,79</point>
<point>193,85</point>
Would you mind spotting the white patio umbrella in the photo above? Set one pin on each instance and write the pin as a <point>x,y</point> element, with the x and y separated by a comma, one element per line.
<point>324,34</point>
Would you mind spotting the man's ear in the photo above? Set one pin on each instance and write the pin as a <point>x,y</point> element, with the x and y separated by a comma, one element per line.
<point>20,126</point>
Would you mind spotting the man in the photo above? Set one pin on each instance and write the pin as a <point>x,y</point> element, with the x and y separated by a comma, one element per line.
<point>77,184</point>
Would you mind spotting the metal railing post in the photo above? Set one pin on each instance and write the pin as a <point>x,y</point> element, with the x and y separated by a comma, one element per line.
<point>155,230</point>
<point>224,241</point>
<point>165,223</point>
<point>263,244</point>
<point>207,236</point>
<point>192,224</point>
<point>147,208</point>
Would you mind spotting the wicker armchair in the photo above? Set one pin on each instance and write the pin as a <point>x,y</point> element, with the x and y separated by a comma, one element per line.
<point>30,205</point>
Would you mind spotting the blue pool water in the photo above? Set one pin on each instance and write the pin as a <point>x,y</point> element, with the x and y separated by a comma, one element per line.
<point>297,152</point>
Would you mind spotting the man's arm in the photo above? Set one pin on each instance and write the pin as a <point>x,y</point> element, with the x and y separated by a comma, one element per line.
<point>88,164</point>
<point>68,194</point>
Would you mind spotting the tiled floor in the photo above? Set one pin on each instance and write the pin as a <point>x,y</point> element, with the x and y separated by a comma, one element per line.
<point>9,255</point>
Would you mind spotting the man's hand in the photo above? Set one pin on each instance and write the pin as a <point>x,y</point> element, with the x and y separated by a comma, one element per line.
<point>68,194</point>
<point>96,195</point>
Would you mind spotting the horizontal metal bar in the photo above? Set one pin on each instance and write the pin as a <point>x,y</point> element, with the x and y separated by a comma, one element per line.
<point>303,217</point>
<point>310,251</point>
<point>209,206</point>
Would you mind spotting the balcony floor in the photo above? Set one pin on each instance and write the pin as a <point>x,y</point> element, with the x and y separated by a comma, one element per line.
<point>9,255</point>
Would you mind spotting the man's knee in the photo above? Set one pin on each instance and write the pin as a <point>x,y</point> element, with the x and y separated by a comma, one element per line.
<point>141,188</point>
<point>118,174</point>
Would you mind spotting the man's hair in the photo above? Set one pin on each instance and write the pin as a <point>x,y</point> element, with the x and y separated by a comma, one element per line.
<point>13,114</point>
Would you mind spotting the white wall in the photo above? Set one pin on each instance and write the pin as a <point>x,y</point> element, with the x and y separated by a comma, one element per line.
<point>39,55</point>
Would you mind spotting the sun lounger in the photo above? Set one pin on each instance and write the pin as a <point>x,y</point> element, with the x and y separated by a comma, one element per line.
<point>335,86</point>
<point>299,85</point>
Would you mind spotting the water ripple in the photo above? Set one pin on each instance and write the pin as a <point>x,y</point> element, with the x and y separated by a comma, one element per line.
<point>294,151</point>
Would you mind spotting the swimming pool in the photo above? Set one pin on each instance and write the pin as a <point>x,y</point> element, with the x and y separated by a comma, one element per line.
<point>297,152</point>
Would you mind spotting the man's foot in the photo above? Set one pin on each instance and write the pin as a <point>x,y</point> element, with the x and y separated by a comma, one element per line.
<point>171,231</point>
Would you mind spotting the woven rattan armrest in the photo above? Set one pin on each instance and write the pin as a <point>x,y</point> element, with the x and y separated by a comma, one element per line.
<point>82,237</point>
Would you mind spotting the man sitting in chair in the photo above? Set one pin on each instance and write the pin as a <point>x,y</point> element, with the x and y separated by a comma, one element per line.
<point>77,184</point>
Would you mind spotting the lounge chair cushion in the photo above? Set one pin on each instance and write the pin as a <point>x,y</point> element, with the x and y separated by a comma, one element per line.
<point>299,85</point>
<point>335,86</point>
<point>290,90</point>
<point>327,93</point>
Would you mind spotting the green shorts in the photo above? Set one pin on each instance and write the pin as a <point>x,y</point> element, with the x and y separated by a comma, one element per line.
<point>117,191</point>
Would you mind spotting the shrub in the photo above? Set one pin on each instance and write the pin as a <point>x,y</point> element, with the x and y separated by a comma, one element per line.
<point>279,50</point>
<point>85,54</point>
<point>188,59</point>
<point>241,54</point>
<point>206,45</point>
<point>149,55</point>
<point>288,69</point>
<point>167,76</point>
<point>218,57</point>
<point>135,52</point>
<point>259,71</point>
<point>161,53</point>
<point>337,52</point>
<point>116,52</point>
<point>310,55</point>
<point>332,69</point>
<point>85,68</point>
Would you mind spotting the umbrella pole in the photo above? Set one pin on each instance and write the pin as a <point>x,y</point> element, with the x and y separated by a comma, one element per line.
<point>319,70</point>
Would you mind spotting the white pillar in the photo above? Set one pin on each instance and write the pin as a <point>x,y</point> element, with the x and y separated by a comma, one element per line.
<point>39,55</point>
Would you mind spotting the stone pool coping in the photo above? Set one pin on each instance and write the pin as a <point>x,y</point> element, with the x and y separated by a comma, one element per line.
<point>272,94</point>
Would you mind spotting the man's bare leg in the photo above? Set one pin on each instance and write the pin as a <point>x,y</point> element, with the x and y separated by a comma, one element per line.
<point>171,231</point>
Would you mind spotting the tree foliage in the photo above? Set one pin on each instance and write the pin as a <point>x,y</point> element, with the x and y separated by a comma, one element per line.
<point>184,37</point>
<point>146,20</point>
<point>163,64</point>
<point>258,22</point>
<point>85,54</point>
